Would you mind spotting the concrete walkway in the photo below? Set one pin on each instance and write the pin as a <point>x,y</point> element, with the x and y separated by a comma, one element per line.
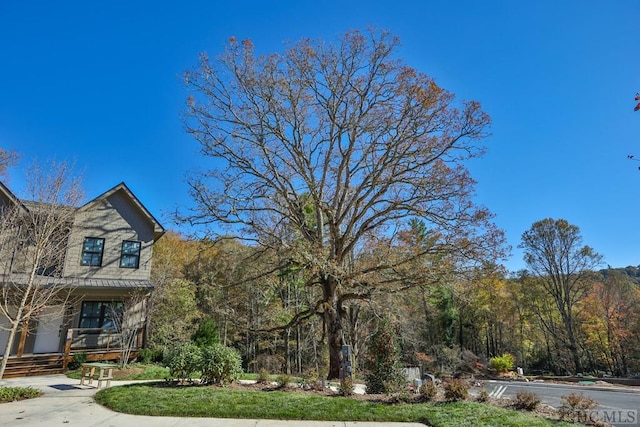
<point>66,403</point>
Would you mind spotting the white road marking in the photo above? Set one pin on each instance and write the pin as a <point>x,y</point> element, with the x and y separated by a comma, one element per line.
<point>498,391</point>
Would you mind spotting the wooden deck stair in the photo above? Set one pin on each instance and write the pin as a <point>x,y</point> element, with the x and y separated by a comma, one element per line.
<point>48,364</point>
<point>32,365</point>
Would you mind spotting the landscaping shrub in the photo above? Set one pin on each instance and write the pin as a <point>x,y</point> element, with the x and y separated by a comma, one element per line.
<point>575,407</point>
<point>483,396</point>
<point>78,359</point>
<point>183,361</point>
<point>145,355</point>
<point>456,389</point>
<point>263,377</point>
<point>283,380</point>
<point>527,400</point>
<point>503,363</point>
<point>311,380</point>
<point>428,390</point>
<point>11,394</point>
<point>383,373</point>
<point>403,396</point>
<point>346,386</point>
<point>206,334</point>
<point>220,364</point>
<point>216,363</point>
<point>157,355</point>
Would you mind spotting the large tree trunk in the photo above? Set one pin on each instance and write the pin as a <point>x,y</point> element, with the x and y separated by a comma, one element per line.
<point>576,358</point>
<point>333,327</point>
<point>333,322</point>
<point>287,350</point>
<point>575,352</point>
<point>571,337</point>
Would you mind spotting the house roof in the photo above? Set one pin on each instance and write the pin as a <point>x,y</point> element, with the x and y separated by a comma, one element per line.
<point>9,195</point>
<point>35,207</point>
<point>158,229</point>
<point>80,283</point>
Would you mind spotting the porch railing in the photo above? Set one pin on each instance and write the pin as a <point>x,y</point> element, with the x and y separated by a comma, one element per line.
<point>95,340</point>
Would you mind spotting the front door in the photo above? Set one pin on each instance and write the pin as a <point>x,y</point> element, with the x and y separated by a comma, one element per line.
<point>49,330</point>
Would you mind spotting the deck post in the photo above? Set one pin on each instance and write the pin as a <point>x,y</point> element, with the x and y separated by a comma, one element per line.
<point>23,336</point>
<point>67,349</point>
<point>140,338</point>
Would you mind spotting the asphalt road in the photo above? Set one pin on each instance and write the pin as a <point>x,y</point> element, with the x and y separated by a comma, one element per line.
<point>619,405</point>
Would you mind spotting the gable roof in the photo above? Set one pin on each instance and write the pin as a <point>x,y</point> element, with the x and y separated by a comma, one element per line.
<point>9,195</point>
<point>158,229</point>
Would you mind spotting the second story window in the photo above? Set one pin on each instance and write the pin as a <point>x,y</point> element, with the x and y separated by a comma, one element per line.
<point>130,256</point>
<point>92,250</point>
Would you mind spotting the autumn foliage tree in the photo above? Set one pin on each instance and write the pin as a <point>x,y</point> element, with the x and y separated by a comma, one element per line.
<point>609,313</point>
<point>322,155</point>
<point>173,310</point>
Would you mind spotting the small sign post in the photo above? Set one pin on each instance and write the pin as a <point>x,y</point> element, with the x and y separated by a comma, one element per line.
<point>345,365</point>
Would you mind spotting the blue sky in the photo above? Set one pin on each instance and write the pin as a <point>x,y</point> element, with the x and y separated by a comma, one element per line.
<point>99,83</point>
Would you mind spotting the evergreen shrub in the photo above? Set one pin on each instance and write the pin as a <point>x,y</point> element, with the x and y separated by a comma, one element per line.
<point>220,364</point>
<point>383,372</point>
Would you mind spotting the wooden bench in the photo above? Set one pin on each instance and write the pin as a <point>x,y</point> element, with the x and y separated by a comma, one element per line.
<point>89,372</point>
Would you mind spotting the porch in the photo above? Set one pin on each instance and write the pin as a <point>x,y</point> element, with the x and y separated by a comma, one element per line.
<point>98,344</point>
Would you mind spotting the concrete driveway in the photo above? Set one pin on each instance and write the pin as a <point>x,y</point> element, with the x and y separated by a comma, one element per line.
<point>66,403</point>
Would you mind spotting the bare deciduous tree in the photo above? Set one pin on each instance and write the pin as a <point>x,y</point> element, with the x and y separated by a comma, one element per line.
<point>324,153</point>
<point>33,242</point>
<point>7,158</point>
<point>554,253</point>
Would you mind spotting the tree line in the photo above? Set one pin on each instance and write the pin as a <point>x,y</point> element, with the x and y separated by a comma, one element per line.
<point>450,326</point>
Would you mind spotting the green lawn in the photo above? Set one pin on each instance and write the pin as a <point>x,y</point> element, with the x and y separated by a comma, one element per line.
<point>162,400</point>
<point>135,371</point>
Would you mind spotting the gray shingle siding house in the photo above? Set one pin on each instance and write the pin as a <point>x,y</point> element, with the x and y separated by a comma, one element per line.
<point>108,256</point>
